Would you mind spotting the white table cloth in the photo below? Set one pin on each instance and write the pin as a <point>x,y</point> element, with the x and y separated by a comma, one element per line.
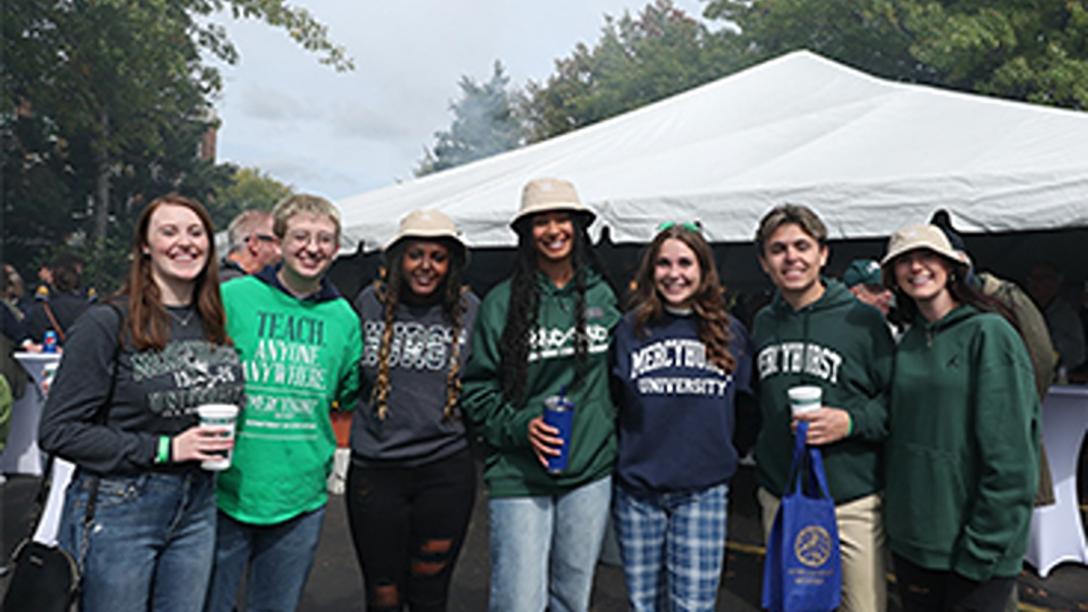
<point>1057,533</point>
<point>21,455</point>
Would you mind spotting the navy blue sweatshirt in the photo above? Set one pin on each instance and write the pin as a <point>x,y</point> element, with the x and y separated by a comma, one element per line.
<point>676,410</point>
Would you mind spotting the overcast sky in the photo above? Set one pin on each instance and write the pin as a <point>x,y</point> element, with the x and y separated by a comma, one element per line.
<point>340,134</point>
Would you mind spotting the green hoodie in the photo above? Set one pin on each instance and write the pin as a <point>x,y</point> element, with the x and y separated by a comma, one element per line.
<point>963,445</point>
<point>844,347</point>
<point>512,469</point>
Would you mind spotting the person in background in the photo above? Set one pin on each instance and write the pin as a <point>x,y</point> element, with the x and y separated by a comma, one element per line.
<point>412,481</point>
<point>862,278</point>
<point>1044,283</point>
<point>815,332</point>
<point>545,332</point>
<point>676,423</point>
<point>63,304</point>
<point>963,387</point>
<point>12,318</point>
<point>123,409</point>
<point>300,344</point>
<point>253,245</point>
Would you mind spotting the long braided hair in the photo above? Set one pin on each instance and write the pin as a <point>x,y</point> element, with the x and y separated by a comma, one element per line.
<point>390,288</point>
<point>522,315</point>
<point>708,301</point>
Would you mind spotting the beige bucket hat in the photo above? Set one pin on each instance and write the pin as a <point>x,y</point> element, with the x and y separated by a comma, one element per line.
<point>921,237</point>
<point>427,223</point>
<point>548,194</point>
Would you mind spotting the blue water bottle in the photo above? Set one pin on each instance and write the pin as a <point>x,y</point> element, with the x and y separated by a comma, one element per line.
<point>559,413</point>
<point>49,342</point>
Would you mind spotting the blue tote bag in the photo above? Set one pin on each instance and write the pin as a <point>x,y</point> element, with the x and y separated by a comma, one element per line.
<point>803,571</point>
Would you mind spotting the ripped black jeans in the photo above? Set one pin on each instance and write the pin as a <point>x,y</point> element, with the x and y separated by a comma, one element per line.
<point>408,524</point>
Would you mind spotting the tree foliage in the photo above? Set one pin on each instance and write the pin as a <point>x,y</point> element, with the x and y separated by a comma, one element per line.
<point>1031,50</point>
<point>484,123</point>
<point>105,103</point>
<point>249,188</point>
<point>636,61</point>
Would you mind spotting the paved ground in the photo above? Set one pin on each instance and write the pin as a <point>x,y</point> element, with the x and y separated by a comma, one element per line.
<point>336,584</point>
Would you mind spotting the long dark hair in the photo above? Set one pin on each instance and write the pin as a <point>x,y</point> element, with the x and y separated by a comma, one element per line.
<point>148,322</point>
<point>390,288</point>
<point>959,285</point>
<point>522,314</point>
<point>708,301</point>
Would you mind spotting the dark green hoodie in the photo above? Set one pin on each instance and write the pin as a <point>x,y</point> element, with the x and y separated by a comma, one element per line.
<point>512,468</point>
<point>844,347</point>
<point>963,446</point>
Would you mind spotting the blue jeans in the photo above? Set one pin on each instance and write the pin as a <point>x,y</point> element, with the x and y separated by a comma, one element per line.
<point>151,544</point>
<point>279,557</point>
<point>544,549</point>
<point>672,546</point>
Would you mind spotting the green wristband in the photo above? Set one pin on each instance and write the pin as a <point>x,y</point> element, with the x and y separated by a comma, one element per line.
<point>849,424</point>
<point>163,456</point>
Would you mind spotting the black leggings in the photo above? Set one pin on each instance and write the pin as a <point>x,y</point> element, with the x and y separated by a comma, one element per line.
<point>408,524</point>
<point>926,590</point>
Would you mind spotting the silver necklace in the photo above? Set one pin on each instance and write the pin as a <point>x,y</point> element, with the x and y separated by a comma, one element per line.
<point>182,321</point>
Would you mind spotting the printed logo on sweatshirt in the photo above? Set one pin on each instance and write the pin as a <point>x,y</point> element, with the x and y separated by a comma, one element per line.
<point>676,353</point>
<point>198,373</point>
<point>549,343</point>
<point>414,345</point>
<point>285,376</point>
<point>797,358</point>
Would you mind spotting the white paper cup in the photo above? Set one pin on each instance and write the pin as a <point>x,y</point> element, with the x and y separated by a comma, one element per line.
<point>805,398</point>
<point>221,417</point>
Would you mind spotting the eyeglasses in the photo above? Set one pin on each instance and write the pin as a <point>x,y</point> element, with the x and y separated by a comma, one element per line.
<point>691,226</point>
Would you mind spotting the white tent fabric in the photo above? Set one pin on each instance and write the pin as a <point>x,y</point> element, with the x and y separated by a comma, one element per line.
<point>869,155</point>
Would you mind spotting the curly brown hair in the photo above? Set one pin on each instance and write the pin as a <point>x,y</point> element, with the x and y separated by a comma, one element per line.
<point>708,302</point>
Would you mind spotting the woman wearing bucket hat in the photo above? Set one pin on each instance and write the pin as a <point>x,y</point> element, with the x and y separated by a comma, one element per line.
<point>962,452</point>
<point>540,334</point>
<point>412,482</point>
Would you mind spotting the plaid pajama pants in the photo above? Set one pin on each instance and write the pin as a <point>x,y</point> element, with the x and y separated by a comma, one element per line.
<point>672,545</point>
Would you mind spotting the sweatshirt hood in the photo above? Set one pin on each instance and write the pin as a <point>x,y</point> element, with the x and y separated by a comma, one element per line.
<point>327,291</point>
<point>835,296</point>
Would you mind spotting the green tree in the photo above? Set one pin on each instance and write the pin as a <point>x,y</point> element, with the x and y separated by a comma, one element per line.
<point>636,61</point>
<point>484,123</point>
<point>1031,50</point>
<point>248,188</point>
<point>105,102</point>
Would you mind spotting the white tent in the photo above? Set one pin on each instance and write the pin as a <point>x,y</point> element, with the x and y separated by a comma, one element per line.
<point>868,154</point>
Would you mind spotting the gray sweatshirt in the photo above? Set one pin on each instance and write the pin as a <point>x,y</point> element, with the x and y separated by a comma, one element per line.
<point>156,392</point>
<point>414,432</point>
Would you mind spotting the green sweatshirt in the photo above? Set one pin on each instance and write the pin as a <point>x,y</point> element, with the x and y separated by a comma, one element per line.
<point>962,455</point>
<point>844,347</point>
<point>512,469</point>
<point>300,356</point>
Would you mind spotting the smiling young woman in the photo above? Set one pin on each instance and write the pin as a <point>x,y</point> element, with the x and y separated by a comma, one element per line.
<point>153,534</point>
<point>412,482</point>
<point>676,422</point>
<point>963,387</point>
<point>544,332</point>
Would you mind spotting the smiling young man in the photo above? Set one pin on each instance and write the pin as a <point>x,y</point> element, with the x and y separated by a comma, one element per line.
<point>299,342</point>
<point>815,332</point>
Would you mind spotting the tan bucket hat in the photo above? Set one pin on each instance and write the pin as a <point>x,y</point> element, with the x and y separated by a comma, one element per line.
<point>427,223</point>
<point>548,194</point>
<point>921,237</point>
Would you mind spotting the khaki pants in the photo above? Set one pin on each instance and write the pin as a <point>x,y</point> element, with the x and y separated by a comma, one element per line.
<point>861,541</point>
